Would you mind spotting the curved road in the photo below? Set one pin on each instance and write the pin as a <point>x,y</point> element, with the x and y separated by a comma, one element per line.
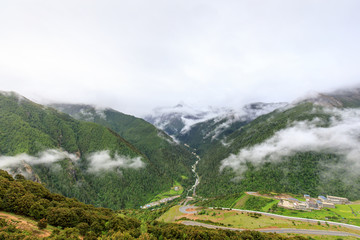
<point>184,208</point>
<point>278,230</point>
<point>309,220</point>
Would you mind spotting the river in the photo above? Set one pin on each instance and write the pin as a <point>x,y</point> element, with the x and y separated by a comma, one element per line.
<point>197,178</point>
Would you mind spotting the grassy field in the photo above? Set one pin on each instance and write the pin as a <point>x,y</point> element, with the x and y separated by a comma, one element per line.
<point>342,213</point>
<point>244,202</point>
<point>171,215</point>
<point>169,193</point>
<point>232,218</point>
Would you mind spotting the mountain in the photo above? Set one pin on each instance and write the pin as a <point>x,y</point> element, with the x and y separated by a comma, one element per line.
<point>201,128</point>
<point>77,158</point>
<point>169,157</point>
<point>180,118</point>
<point>310,147</point>
<point>205,134</point>
<point>108,158</point>
<point>348,98</point>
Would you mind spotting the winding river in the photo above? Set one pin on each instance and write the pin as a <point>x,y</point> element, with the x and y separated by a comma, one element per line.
<point>197,178</point>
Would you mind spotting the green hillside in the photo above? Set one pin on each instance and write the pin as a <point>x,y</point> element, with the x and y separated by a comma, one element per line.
<point>26,127</point>
<point>169,157</point>
<point>67,218</point>
<point>299,173</point>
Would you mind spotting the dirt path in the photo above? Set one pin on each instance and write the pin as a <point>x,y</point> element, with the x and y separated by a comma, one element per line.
<point>23,224</point>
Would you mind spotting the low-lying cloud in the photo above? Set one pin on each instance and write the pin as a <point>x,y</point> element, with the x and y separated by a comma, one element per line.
<point>247,113</point>
<point>46,157</point>
<point>102,161</point>
<point>341,137</point>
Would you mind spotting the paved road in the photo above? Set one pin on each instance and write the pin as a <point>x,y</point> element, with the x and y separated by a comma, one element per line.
<point>185,207</point>
<point>278,230</point>
<point>299,219</point>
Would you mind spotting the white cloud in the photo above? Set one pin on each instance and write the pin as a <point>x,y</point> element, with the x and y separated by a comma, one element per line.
<point>46,157</point>
<point>342,137</point>
<point>136,55</point>
<point>102,161</point>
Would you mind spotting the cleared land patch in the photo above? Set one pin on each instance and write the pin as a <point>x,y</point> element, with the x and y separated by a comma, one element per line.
<point>177,189</point>
<point>26,224</point>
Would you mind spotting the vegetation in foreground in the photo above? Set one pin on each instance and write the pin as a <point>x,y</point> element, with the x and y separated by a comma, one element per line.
<point>74,219</point>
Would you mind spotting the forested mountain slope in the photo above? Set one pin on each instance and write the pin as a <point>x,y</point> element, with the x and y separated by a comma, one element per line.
<point>167,155</point>
<point>78,159</point>
<point>206,134</point>
<point>307,148</point>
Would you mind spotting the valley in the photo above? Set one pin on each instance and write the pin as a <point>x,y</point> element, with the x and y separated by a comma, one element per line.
<point>221,170</point>
<point>180,120</point>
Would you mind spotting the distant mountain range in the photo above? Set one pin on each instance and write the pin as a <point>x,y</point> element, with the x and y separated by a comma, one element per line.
<point>268,146</point>
<point>200,127</point>
<point>178,120</point>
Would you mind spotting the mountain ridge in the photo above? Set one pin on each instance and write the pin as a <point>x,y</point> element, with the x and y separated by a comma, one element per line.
<point>30,128</point>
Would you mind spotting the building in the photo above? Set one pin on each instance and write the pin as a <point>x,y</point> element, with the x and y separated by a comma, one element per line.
<point>301,205</point>
<point>327,205</point>
<point>337,200</point>
<point>292,203</point>
<point>286,203</point>
<point>313,204</point>
<point>322,198</point>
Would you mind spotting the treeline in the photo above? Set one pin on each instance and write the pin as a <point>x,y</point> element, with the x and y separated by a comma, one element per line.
<point>75,219</point>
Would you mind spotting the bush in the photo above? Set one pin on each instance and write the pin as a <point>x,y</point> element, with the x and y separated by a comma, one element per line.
<point>42,224</point>
<point>83,228</point>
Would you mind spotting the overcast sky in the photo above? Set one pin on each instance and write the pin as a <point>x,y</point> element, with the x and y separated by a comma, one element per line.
<point>135,55</point>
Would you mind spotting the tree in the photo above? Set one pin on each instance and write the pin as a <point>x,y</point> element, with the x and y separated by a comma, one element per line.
<point>83,228</point>
<point>37,211</point>
<point>63,217</point>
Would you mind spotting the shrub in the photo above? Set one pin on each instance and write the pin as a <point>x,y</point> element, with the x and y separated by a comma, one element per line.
<point>42,224</point>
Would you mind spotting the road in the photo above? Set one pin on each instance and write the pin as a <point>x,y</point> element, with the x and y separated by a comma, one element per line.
<point>164,200</point>
<point>277,230</point>
<point>184,208</point>
<point>298,218</point>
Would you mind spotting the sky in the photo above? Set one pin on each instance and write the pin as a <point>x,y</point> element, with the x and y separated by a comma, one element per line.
<point>136,55</point>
